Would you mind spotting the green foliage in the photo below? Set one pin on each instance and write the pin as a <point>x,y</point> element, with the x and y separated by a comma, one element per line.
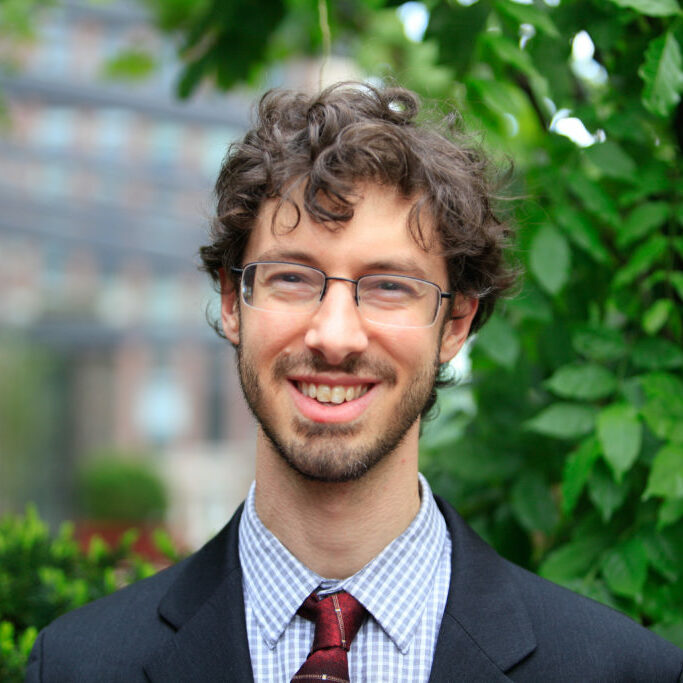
<point>112,488</point>
<point>129,65</point>
<point>17,17</point>
<point>653,8</point>
<point>596,498</point>
<point>42,577</point>
<point>573,465</point>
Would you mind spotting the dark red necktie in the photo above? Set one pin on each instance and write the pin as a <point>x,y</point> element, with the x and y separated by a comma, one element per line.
<point>337,618</point>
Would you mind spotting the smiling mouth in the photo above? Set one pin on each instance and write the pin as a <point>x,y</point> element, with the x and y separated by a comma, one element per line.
<point>324,393</point>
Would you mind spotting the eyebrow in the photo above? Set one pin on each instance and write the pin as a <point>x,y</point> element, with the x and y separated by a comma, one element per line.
<point>399,265</point>
<point>278,254</point>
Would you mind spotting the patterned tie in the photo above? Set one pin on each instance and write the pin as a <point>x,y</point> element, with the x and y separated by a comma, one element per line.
<point>337,619</point>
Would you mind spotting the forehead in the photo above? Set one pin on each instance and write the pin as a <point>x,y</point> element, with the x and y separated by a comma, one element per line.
<point>378,236</point>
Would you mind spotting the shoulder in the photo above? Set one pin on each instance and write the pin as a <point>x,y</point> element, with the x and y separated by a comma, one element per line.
<point>536,630</point>
<point>111,639</point>
<point>112,634</point>
<point>576,633</point>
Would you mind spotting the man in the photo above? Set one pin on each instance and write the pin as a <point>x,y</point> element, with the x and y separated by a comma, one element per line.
<point>355,251</point>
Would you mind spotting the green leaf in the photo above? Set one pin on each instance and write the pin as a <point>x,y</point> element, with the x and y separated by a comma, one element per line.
<point>510,53</point>
<point>663,407</point>
<point>582,381</point>
<point>577,469</point>
<point>656,354</point>
<point>670,511</point>
<point>473,462</point>
<point>643,220</point>
<point>641,261</point>
<point>563,420</point>
<point>26,641</point>
<point>676,279</point>
<point>599,343</point>
<point>533,504</point>
<point>620,434</point>
<point>499,341</point>
<point>662,385</point>
<point>190,76</point>
<point>129,65</point>
<point>653,178</point>
<point>527,14</point>
<point>666,475</point>
<point>625,568</point>
<point>572,559</point>
<point>661,554</point>
<point>582,231</point>
<point>656,316</point>
<point>531,304</point>
<point>663,74</point>
<point>594,198</point>
<point>606,494</point>
<point>651,8</point>
<point>611,159</point>
<point>452,26</point>
<point>550,259</point>
<point>165,545</point>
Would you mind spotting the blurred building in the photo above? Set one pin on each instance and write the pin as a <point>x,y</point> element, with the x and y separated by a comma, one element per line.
<point>105,195</point>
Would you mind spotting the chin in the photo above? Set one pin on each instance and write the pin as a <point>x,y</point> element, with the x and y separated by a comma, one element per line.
<point>327,459</point>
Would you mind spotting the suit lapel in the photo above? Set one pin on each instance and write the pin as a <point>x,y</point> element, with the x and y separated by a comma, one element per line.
<point>485,629</point>
<point>205,607</point>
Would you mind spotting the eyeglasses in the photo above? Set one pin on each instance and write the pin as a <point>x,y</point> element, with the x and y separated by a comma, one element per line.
<point>394,300</point>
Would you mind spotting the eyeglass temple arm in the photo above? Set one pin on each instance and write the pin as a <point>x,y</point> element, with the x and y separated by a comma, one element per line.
<point>449,295</point>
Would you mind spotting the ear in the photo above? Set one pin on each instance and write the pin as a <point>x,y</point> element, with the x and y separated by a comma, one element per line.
<point>457,328</point>
<point>230,318</point>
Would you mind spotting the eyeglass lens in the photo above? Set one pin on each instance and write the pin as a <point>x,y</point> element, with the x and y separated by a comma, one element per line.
<point>395,300</point>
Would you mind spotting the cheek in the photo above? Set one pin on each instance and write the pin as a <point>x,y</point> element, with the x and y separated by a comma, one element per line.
<point>268,333</point>
<point>410,347</point>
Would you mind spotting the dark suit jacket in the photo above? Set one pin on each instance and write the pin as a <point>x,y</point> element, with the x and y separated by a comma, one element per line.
<point>501,623</point>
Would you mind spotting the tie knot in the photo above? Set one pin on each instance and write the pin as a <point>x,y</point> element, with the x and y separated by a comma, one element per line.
<point>337,619</point>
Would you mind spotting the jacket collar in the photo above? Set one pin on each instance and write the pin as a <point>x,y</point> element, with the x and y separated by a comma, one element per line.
<point>205,606</point>
<point>484,632</point>
<point>485,629</point>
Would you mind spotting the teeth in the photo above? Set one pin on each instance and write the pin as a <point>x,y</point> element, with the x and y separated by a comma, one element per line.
<point>337,394</point>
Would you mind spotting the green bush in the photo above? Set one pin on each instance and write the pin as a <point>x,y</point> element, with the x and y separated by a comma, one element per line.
<point>117,489</point>
<point>42,577</point>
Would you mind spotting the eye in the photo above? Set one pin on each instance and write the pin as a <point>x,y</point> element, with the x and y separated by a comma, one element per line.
<point>381,288</point>
<point>292,278</point>
<point>391,286</point>
<point>287,278</point>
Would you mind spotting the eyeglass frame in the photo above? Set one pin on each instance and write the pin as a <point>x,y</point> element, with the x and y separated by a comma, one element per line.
<point>326,278</point>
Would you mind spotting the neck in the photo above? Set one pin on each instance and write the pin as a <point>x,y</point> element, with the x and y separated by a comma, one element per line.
<point>336,529</point>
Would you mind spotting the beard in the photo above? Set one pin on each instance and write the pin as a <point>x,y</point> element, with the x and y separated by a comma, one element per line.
<point>324,451</point>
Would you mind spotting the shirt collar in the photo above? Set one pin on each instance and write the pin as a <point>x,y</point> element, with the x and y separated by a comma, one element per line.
<point>394,586</point>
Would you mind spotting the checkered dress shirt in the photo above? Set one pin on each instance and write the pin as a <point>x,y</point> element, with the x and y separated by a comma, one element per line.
<point>404,589</point>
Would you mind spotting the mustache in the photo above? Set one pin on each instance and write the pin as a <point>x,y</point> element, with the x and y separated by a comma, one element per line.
<point>357,365</point>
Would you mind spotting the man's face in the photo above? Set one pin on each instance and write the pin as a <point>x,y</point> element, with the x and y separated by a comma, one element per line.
<point>383,375</point>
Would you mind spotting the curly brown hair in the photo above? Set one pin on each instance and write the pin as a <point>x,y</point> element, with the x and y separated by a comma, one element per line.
<point>325,145</point>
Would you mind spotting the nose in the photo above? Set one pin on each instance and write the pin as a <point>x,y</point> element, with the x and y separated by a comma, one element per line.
<point>337,329</point>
